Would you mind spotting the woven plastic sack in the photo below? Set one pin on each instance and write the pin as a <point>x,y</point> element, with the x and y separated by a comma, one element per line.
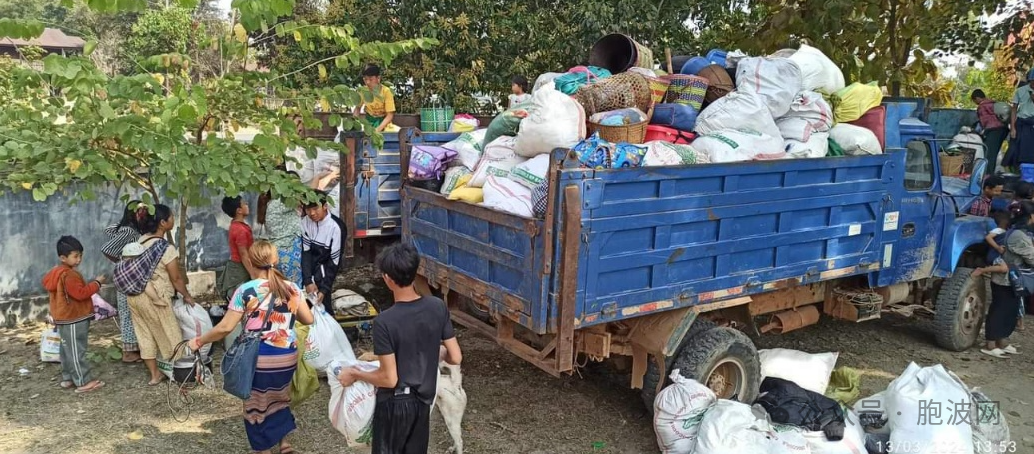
<point>506,123</point>
<point>678,411</point>
<point>818,72</point>
<point>817,146</point>
<point>737,111</point>
<point>739,145</point>
<point>555,121</point>
<point>809,113</point>
<point>853,101</point>
<point>509,196</point>
<point>326,341</point>
<point>776,80</point>
<point>531,173</point>
<point>351,409</point>
<point>454,178</point>
<point>661,153</point>
<point>468,148</point>
<point>499,159</point>
<point>855,140</point>
<point>915,391</point>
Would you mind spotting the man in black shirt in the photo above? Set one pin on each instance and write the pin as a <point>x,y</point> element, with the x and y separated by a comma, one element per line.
<point>409,340</point>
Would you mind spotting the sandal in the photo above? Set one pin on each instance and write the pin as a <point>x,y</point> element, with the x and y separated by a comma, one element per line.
<point>156,383</point>
<point>89,387</point>
<point>67,384</point>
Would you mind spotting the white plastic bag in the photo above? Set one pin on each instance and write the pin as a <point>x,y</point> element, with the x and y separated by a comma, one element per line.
<point>855,140</point>
<point>326,341</point>
<point>545,79</point>
<point>351,409</point>
<point>499,159</point>
<point>453,177</point>
<point>194,321</point>
<point>737,111</point>
<point>817,146</point>
<point>788,440</point>
<point>818,72</point>
<point>50,346</point>
<point>533,172</point>
<point>969,140</point>
<point>730,427</point>
<point>677,413</point>
<point>912,400</point>
<point>775,80</point>
<point>468,148</point>
<point>852,443</point>
<point>556,121</point>
<point>810,371</point>
<point>102,310</point>
<point>506,195</point>
<point>739,145</point>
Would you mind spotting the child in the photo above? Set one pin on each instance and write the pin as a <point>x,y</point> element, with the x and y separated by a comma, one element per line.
<point>239,268</point>
<point>408,339</point>
<point>322,237</point>
<point>519,89</point>
<point>71,307</point>
<point>378,99</point>
<point>1001,219</point>
<point>131,252</point>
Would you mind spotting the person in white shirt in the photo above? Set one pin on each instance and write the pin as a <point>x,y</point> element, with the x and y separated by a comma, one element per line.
<point>519,91</point>
<point>322,236</point>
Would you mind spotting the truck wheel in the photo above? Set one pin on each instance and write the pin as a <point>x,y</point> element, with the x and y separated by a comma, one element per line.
<point>723,359</point>
<point>959,311</point>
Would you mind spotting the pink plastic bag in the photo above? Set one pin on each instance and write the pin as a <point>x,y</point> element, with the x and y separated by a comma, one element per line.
<point>101,309</point>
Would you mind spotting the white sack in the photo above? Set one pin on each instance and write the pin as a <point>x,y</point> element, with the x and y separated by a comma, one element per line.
<point>677,413</point>
<point>922,389</point>
<point>852,443</point>
<point>194,321</point>
<point>326,341</point>
<point>810,371</point>
<point>50,346</point>
<point>345,299</point>
<point>499,159</point>
<point>351,409</point>
<point>969,140</point>
<point>791,440</point>
<point>545,79</point>
<point>555,121</point>
<point>730,427</point>
<point>468,148</point>
<point>855,140</point>
<point>737,146</point>
<point>818,72</point>
<point>817,146</point>
<point>775,80</point>
<point>809,113</point>
<point>452,178</point>
<point>506,195</point>
<point>661,153</point>
<point>531,173</point>
<point>737,110</point>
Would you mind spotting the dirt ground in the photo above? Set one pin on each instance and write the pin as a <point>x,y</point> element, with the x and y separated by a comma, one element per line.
<point>513,407</point>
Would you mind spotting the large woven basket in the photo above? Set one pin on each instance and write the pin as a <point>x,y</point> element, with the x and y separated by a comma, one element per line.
<point>686,89</point>
<point>631,133</point>
<point>952,165</point>
<point>658,88</point>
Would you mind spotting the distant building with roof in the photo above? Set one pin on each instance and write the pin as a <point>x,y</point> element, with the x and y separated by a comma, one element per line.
<point>52,41</point>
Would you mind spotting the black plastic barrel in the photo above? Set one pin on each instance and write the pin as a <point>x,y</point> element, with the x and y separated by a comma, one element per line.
<point>617,53</point>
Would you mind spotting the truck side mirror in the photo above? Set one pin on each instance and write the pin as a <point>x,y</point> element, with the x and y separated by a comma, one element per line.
<point>976,179</point>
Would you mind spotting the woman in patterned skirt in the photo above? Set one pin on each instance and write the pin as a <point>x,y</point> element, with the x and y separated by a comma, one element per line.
<point>119,235</point>
<point>267,413</point>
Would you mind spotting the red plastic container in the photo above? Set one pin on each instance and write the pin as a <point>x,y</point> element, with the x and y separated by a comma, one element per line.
<point>666,134</point>
<point>875,120</point>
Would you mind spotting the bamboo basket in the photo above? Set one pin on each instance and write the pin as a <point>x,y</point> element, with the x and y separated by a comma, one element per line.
<point>631,133</point>
<point>952,165</point>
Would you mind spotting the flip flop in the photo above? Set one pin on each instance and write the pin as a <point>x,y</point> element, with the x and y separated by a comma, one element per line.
<point>997,353</point>
<point>67,384</point>
<point>156,383</point>
<point>84,389</point>
<point>1011,349</point>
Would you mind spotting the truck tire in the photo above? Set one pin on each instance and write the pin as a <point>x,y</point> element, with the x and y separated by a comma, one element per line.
<point>959,310</point>
<point>723,359</point>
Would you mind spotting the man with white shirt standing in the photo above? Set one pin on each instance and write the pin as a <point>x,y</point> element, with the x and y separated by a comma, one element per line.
<point>321,250</point>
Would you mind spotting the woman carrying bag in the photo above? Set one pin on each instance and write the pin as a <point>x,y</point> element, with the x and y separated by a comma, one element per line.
<point>269,305</point>
<point>1002,316</point>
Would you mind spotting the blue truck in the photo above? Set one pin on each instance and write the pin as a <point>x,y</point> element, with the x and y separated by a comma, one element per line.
<point>679,267</point>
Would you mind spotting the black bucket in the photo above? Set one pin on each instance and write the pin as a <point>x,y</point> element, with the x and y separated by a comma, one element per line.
<point>678,62</point>
<point>617,53</point>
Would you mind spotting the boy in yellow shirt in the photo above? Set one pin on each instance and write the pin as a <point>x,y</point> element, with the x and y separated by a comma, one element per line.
<point>378,99</point>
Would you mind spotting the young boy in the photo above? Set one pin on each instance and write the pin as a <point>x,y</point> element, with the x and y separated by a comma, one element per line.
<point>1001,219</point>
<point>408,340</point>
<point>71,307</point>
<point>239,268</point>
<point>321,251</point>
<point>378,99</point>
<point>992,188</point>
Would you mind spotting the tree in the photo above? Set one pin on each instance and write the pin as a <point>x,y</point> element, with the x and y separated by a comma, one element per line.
<point>166,131</point>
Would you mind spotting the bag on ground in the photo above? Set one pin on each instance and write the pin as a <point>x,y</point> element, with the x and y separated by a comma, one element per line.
<point>853,101</point>
<point>194,321</point>
<point>326,341</point>
<point>677,413</point>
<point>810,371</point>
<point>739,145</point>
<point>737,111</point>
<point>506,195</point>
<point>852,443</point>
<point>499,159</point>
<point>818,72</point>
<point>305,381</point>
<point>855,140</point>
<point>50,346</point>
<point>910,397</point>
<point>351,409</point>
<point>774,80</point>
<point>468,148</point>
<point>555,121</point>
<point>533,172</point>
<point>730,427</point>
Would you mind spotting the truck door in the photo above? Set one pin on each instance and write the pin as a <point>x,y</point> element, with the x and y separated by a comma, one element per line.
<point>911,228</point>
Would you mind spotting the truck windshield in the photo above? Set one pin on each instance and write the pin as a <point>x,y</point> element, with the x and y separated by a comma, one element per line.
<point>918,166</point>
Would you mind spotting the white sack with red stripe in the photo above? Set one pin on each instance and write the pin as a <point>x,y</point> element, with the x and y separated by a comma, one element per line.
<point>809,113</point>
<point>775,80</point>
<point>504,194</point>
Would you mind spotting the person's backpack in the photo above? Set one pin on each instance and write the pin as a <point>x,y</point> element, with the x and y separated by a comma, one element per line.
<point>1003,111</point>
<point>131,275</point>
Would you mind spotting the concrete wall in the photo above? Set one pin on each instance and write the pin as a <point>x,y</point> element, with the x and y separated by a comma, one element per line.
<point>29,231</point>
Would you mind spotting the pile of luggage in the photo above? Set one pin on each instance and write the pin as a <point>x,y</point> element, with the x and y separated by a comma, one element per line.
<point>621,112</point>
